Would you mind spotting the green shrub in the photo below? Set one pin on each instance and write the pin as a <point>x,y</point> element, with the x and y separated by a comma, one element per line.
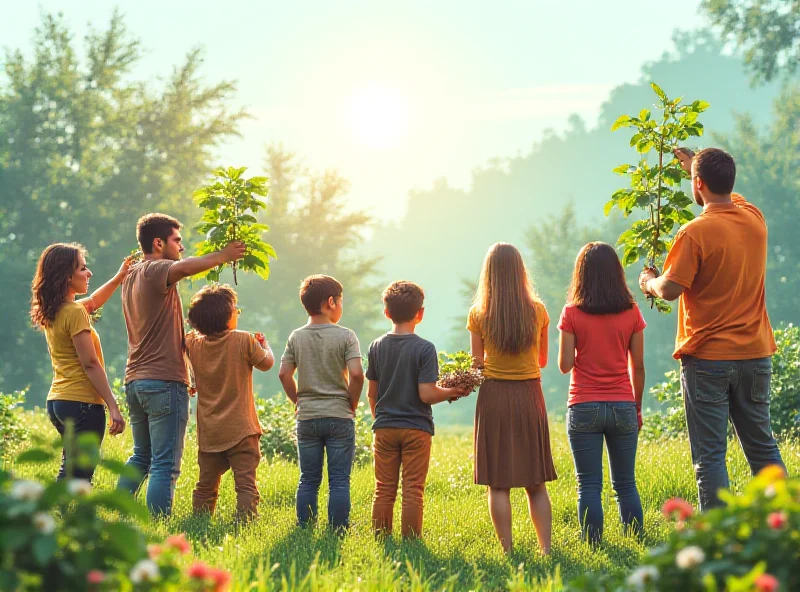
<point>784,396</point>
<point>753,543</point>
<point>12,430</point>
<point>278,422</point>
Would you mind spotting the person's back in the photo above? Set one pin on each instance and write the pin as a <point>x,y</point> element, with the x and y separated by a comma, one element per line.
<point>327,360</point>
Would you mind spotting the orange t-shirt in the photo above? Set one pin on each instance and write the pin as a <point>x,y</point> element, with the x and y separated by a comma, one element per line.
<point>223,369</point>
<point>720,257</point>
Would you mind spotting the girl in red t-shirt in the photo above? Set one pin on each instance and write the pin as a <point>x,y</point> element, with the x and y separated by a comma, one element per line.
<point>602,343</point>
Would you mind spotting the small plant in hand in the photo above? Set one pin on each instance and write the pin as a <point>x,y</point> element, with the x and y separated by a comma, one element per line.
<point>230,205</point>
<point>457,370</point>
<point>655,189</point>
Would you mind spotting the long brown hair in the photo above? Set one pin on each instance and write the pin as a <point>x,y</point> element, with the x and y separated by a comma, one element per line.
<point>506,301</point>
<point>598,281</point>
<point>49,287</point>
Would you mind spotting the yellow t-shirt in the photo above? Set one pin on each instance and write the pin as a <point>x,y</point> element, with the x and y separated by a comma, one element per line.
<point>70,382</point>
<point>524,366</point>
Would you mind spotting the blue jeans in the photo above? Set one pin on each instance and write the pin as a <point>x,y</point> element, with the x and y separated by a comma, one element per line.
<point>713,391</point>
<point>587,425</point>
<point>314,438</point>
<point>159,412</point>
<point>86,417</point>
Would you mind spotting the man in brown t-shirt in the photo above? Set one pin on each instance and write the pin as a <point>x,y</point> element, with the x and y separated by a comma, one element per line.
<point>717,266</point>
<point>156,377</point>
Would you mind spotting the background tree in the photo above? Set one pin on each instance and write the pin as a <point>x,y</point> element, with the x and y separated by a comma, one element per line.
<point>87,150</point>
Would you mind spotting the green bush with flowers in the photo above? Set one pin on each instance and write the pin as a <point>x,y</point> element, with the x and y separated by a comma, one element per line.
<point>65,535</point>
<point>12,429</point>
<point>751,544</point>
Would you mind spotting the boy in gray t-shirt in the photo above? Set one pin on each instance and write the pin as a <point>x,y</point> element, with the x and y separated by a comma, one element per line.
<point>330,377</point>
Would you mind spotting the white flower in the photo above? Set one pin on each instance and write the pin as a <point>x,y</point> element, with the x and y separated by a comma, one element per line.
<point>769,491</point>
<point>44,523</point>
<point>689,557</point>
<point>79,487</point>
<point>27,491</point>
<point>643,576</point>
<point>144,571</point>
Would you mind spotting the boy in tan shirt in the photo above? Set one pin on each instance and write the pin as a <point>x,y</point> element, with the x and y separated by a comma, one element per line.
<point>228,431</point>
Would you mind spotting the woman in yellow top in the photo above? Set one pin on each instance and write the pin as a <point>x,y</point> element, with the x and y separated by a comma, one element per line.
<point>80,391</point>
<point>508,333</point>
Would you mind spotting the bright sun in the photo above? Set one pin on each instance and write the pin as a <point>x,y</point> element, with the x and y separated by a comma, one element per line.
<point>378,115</point>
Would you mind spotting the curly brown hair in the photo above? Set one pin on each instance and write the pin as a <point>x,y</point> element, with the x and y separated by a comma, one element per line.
<point>403,300</point>
<point>211,308</point>
<point>598,281</point>
<point>49,287</point>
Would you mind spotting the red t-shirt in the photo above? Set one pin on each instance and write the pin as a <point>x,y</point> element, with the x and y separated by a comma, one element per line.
<point>601,353</point>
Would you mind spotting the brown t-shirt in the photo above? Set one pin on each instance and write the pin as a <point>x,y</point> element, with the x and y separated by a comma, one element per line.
<point>223,372</point>
<point>154,319</point>
<point>720,257</point>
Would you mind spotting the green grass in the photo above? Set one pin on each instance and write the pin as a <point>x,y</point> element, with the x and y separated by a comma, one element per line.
<point>458,549</point>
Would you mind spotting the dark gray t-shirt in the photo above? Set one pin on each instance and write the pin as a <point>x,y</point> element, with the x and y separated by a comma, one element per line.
<point>399,363</point>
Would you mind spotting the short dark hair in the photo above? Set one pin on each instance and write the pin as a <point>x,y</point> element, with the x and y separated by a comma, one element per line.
<point>315,291</point>
<point>717,169</point>
<point>211,308</point>
<point>403,300</point>
<point>598,281</point>
<point>153,226</point>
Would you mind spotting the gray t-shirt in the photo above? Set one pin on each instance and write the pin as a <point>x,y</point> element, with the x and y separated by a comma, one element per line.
<point>399,363</point>
<point>321,353</point>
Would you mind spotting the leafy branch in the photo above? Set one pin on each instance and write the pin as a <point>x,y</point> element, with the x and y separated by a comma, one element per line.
<point>655,189</point>
<point>230,205</point>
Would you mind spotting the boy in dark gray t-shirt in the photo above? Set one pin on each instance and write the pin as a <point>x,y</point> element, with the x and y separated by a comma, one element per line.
<point>402,370</point>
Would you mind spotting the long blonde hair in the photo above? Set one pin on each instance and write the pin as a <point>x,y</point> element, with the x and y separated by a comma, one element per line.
<point>506,301</point>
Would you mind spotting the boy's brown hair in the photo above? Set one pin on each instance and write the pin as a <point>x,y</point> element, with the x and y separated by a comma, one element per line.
<point>717,169</point>
<point>315,291</point>
<point>211,308</point>
<point>153,226</point>
<point>403,300</point>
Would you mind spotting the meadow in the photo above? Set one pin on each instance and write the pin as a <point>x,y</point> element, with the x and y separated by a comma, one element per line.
<point>458,550</point>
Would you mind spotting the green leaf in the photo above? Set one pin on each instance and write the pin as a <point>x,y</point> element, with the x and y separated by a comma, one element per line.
<point>622,121</point>
<point>644,114</point>
<point>120,468</point>
<point>631,256</point>
<point>122,502</point>
<point>657,89</point>
<point>44,547</point>
<point>14,537</point>
<point>35,456</point>
<point>623,169</point>
<point>126,539</point>
<point>608,207</point>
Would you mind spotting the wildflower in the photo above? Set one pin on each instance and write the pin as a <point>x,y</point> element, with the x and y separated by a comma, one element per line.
<point>772,473</point>
<point>777,520</point>
<point>154,551</point>
<point>144,571</point>
<point>770,491</point>
<point>27,491</point>
<point>677,506</point>
<point>642,576</point>
<point>767,583</point>
<point>179,543</point>
<point>198,571</point>
<point>79,487</point>
<point>95,577</point>
<point>44,523</point>
<point>221,578</point>
<point>690,557</point>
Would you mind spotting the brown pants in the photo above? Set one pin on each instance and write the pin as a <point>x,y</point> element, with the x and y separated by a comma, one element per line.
<point>243,460</point>
<point>394,447</point>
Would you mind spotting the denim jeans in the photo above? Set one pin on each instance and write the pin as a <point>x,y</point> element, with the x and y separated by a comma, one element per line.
<point>587,425</point>
<point>159,412</point>
<point>314,438</point>
<point>86,417</point>
<point>713,391</point>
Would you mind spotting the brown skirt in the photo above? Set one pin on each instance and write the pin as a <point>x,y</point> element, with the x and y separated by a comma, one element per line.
<point>512,436</point>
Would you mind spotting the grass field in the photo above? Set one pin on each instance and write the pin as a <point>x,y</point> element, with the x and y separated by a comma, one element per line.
<point>458,551</point>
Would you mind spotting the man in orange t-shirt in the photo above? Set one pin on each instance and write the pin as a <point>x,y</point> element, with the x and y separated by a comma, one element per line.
<point>717,267</point>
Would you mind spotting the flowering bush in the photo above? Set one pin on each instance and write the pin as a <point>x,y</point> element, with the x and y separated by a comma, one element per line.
<point>751,544</point>
<point>66,535</point>
<point>12,430</point>
<point>278,422</point>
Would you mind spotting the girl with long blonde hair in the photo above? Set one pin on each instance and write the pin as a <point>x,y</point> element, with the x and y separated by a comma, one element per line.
<point>508,333</point>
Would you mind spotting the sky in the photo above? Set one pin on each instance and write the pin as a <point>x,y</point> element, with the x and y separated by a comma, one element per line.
<point>393,96</point>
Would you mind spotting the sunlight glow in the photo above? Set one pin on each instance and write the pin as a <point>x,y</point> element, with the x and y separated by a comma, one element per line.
<point>378,115</point>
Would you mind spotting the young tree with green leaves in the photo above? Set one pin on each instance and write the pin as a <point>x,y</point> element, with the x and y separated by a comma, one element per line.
<point>655,189</point>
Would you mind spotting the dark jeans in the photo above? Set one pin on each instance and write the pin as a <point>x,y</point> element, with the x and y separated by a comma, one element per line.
<point>86,417</point>
<point>314,438</point>
<point>713,391</point>
<point>159,412</point>
<point>587,425</point>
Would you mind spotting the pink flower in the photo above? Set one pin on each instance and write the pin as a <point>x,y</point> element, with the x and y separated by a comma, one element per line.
<point>777,520</point>
<point>199,571</point>
<point>95,577</point>
<point>677,506</point>
<point>154,551</point>
<point>222,579</point>
<point>767,583</point>
<point>179,543</point>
